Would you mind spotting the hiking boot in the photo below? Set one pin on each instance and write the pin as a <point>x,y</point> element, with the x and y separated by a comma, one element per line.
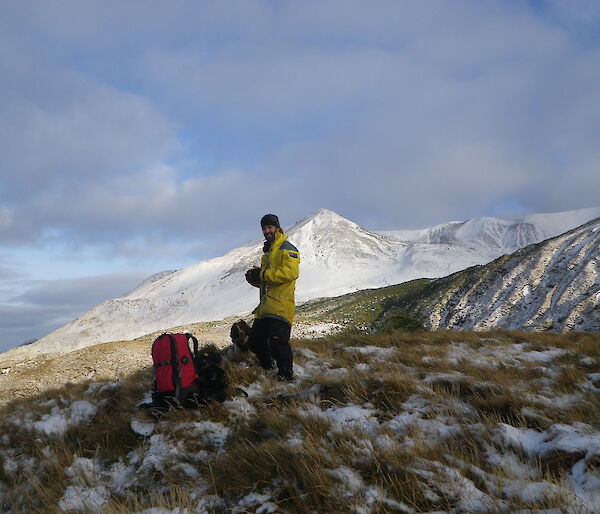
<point>285,376</point>
<point>267,365</point>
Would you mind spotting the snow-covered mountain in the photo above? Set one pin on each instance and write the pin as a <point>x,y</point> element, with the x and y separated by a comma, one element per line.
<point>494,236</point>
<point>337,257</point>
<point>552,285</point>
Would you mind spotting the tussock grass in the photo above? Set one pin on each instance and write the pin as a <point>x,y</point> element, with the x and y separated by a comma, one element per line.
<point>249,373</point>
<point>502,408</point>
<point>432,407</point>
<point>583,411</point>
<point>43,486</point>
<point>388,390</point>
<point>303,476</point>
<point>175,497</point>
<point>322,347</point>
<point>306,474</point>
<point>569,379</point>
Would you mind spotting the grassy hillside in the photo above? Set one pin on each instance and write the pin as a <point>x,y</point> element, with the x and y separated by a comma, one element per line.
<point>405,306</point>
<point>418,304</point>
<point>366,310</point>
<point>403,422</point>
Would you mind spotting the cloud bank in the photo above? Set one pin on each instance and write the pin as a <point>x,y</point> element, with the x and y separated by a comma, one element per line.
<point>156,135</point>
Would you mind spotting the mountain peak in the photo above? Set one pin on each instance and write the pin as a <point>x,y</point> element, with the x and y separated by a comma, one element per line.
<point>322,219</point>
<point>324,212</point>
<point>326,215</point>
<point>338,256</point>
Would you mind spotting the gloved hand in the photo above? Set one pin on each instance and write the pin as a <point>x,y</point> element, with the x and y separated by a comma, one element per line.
<point>253,277</point>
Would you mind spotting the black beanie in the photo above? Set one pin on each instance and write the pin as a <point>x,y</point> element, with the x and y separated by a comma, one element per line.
<point>269,219</point>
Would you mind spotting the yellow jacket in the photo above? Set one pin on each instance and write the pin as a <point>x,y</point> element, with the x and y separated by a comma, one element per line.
<point>279,269</point>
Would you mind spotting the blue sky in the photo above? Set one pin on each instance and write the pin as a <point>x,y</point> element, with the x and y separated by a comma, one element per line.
<point>143,136</point>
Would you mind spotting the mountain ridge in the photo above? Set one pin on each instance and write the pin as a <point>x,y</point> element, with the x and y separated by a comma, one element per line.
<point>552,285</point>
<point>497,233</point>
<point>338,257</point>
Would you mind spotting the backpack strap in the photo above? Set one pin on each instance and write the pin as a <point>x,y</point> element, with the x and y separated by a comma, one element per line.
<point>176,377</point>
<point>195,351</point>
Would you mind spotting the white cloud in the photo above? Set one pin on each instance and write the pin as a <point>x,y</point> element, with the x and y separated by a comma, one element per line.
<point>6,218</point>
<point>42,306</point>
<point>72,293</point>
<point>373,91</point>
<point>175,128</point>
<point>97,132</point>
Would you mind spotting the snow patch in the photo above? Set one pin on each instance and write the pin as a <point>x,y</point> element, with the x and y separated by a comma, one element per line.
<point>239,409</point>
<point>84,499</point>
<point>352,416</point>
<point>141,428</point>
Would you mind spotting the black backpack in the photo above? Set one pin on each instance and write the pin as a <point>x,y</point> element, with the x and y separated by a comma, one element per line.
<point>212,381</point>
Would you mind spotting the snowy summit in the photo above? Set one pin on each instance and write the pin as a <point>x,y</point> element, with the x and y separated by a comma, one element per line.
<point>338,257</point>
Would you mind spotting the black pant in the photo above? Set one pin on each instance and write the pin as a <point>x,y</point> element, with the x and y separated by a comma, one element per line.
<point>270,339</point>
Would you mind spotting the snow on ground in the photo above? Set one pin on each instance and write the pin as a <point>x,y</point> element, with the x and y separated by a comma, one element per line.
<point>316,330</point>
<point>376,352</point>
<point>502,354</point>
<point>56,422</point>
<point>424,418</point>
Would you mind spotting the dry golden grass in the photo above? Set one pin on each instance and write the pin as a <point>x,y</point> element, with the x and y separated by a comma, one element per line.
<point>306,473</point>
<point>175,497</point>
<point>292,450</point>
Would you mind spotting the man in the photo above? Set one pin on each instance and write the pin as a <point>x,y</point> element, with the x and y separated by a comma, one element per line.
<point>276,279</point>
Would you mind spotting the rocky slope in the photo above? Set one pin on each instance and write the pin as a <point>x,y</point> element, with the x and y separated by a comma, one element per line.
<point>552,285</point>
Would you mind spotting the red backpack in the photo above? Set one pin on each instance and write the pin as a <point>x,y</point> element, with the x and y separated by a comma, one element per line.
<point>183,376</point>
<point>174,368</point>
